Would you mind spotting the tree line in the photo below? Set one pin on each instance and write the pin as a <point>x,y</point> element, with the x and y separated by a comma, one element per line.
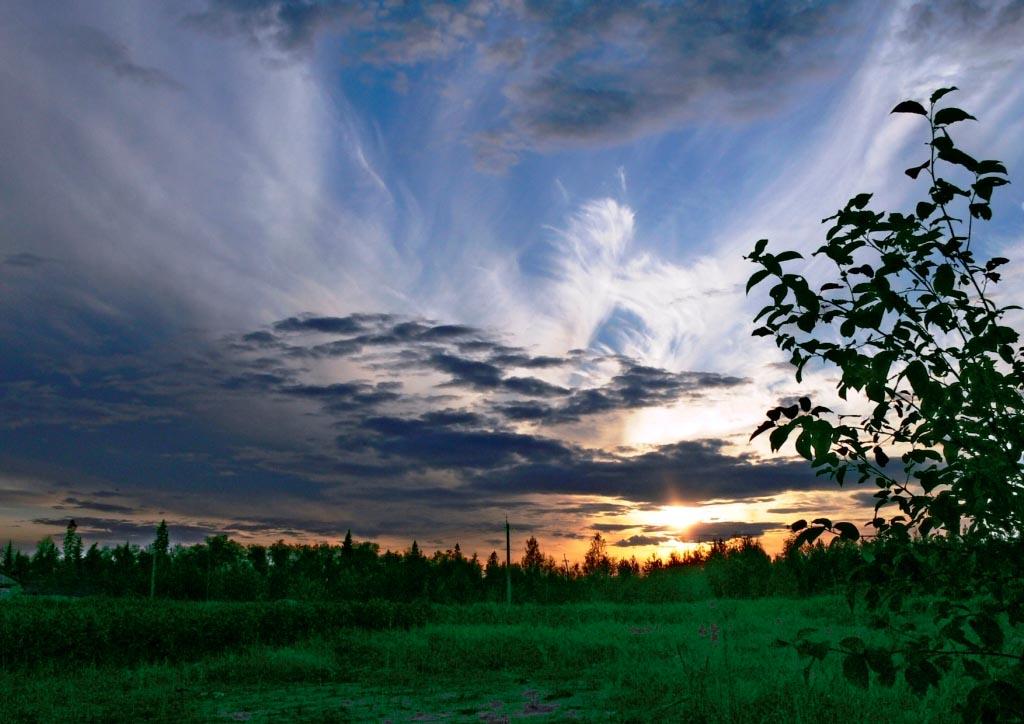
<point>223,569</point>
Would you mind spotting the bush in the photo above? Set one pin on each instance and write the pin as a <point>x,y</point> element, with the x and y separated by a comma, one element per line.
<point>119,631</point>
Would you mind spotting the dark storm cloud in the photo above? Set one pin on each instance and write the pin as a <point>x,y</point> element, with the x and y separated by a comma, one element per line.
<point>488,376</point>
<point>471,359</point>
<point>683,472</point>
<point>725,530</point>
<point>434,444</point>
<point>98,506</point>
<point>468,372</point>
<point>327,325</point>
<point>640,540</point>
<point>345,396</point>
<point>571,73</point>
<point>636,387</point>
<point>613,527</point>
<point>511,360</point>
<point>640,386</point>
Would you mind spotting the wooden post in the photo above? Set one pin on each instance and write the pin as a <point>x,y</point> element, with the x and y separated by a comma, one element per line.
<point>508,563</point>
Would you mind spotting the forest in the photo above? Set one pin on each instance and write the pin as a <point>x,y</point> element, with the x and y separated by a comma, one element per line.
<point>220,569</point>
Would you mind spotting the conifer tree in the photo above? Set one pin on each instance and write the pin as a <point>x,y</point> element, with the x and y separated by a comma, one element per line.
<point>8,560</point>
<point>533,559</point>
<point>72,547</point>
<point>160,547</point>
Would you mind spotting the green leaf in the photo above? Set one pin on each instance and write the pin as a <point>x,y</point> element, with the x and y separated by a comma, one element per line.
<point>853,643</point>
<point>756,278</point>
<point>880,457</point>
<point>991,166</point>
<point>860,200</point>
<point>880,662</point>
<point>920,675</point>
<point>803,445</point>
<point>988,631</point>
<point>944,279</point>
<point>848,531</point>
<point>981,211</point>
<point>939,93</point>
<point>917,375</point>
<point>975,670</point>
<point>778,437</point>
<point>910,107</point>
<point>808,535</point>
<point>788,256</point>
<point>766,425</point>
<point>914,171</point>
<point>955,155</point>
<point>855,669</point>
<point>947,116</point>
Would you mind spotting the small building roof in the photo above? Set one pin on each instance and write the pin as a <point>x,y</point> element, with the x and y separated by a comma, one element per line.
<point>7,581</point>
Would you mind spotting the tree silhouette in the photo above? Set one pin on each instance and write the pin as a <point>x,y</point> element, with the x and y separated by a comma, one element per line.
<point>72,547</point>
<point>161,544</point>
<point>596,560</point>
<point>533,559</point>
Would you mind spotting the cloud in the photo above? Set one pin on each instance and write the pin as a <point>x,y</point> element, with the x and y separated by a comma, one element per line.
<point>23,259</point>
<point>683,472</point>
<point>98,506</point>
<point>570,74</point>
<point>613,527</point>
<point>114,56</point>
<point>725,530</point>
<point>139,532</point>
<point>640,540</point>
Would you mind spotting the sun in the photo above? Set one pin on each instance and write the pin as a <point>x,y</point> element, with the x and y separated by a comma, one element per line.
<point>673,517</point>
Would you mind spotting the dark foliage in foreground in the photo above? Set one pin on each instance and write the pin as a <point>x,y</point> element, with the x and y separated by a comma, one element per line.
<point>909,319</point>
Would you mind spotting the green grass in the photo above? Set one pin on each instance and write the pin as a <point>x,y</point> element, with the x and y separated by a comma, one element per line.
<point>588,662</point>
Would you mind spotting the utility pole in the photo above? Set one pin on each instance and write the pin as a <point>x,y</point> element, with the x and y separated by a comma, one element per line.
<point>508,563</point>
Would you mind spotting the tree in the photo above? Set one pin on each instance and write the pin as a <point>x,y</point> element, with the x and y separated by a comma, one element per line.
<point>161,544</point>
<point>596,560</point>
<point>7,564</point>
<point>533,559</point>
<point>346,545</point>
<point>72,548</point>
<point>45,561</point>
<point>909,320</point>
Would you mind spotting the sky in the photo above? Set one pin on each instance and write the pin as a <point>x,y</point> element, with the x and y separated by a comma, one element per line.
<point>284,268</point>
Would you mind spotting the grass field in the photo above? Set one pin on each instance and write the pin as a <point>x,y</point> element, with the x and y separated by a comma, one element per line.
<point>586,662</point>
